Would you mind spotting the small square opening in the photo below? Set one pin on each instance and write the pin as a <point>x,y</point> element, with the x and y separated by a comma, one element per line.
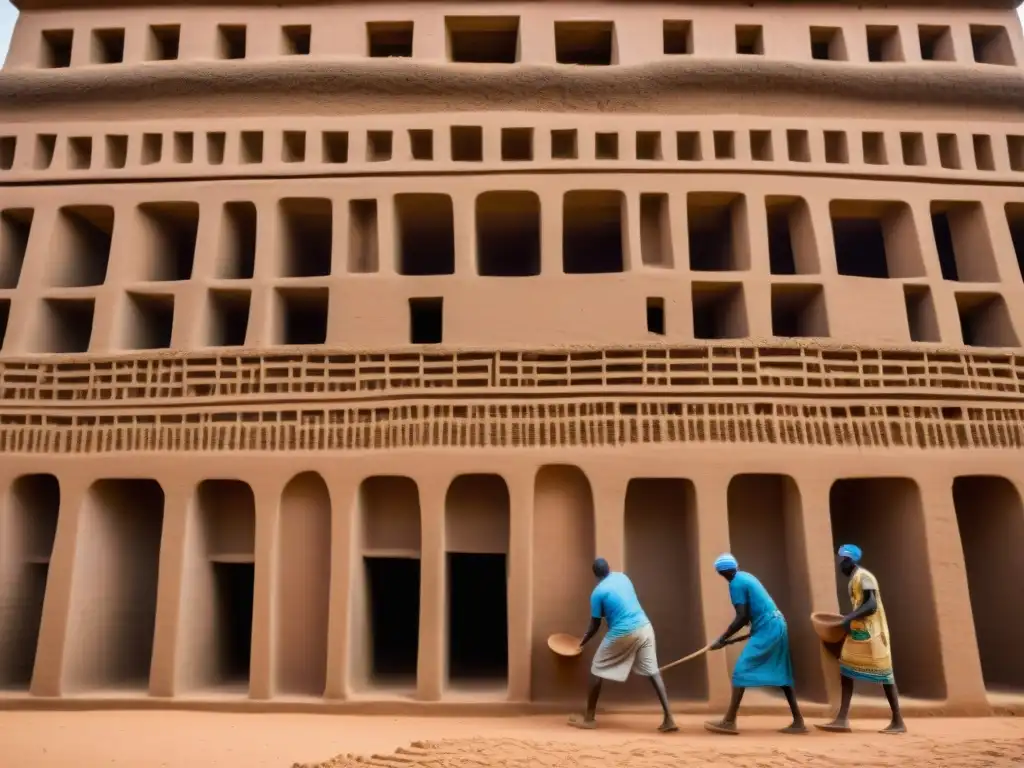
<point>1015,152</point>
<point>677,37</point>
<point>750,40</point>
<point>1015,220</point>
<point>56,48</point>
<point>426,321</point>
<point>936,43</point>
<point>301,316</point>
<point>655,232</point>
<point>798,311</point>
<point>587,43</point>
<point>874,148</point>
<point>228,318</point>
<point>108,46</point>
<point>963,242</point>
<point>828,44</point>
<point>363,240</point>
<point>152,148</point>
<point>688,146</point>
<point>231,41</point>
<point>334,147</point>
<point>379,146</point>
<point>167,243</point>
<point>985,320</point>
<point>725,145</point>
<point>912,148</point>
<point>593,232</point>
<point>949,151</point>
<point>306,234</point>
<point>79,153</point>
<point>80,245</point>
<point>426,234</point>
<point>296,39</point>
<point>656,316</point>
<point>718,235</point>
<point>184,147</point>
<point>15,228</point>
<point>467,143</point>
<point>215,143</point>
<point>564,144</point>
<point>884,44</point>
<point>148,321</point>
<point>761,146</point>
<point>8,145</point>
<point>719,311</point>
<point>991,45</point>
<point>517,144</point>
<point>792,247</point>
<point>293,147</point>
<point>483,39</point>
<point>984,156</point>
<point>389,39</point>
<point>421,143</point>
<point>236,256</point>
<point>163,42</point>
<point>250,147</point>
<point>606,146</point>
<point>65,326</point>
<point>798,146</point>
<point>837,149</point>
<point>648,145</point>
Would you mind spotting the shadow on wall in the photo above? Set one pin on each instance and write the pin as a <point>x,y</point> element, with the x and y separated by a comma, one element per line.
<point>563,552</point>
<point>990,519</point>
<point>28,526</point>
<point>885,518</point>
<point>766,534</point>
<point>113,598</point>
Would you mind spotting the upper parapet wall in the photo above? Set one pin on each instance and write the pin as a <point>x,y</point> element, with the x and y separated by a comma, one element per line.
<point>26,5</point>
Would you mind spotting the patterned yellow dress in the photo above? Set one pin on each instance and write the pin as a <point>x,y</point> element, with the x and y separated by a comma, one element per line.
<point>867,651</point>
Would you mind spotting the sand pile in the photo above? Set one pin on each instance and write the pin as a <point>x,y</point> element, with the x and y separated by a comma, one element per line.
<point>673,752</point>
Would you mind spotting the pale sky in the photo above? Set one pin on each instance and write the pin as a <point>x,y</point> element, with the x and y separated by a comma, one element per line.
<point>7,17</point>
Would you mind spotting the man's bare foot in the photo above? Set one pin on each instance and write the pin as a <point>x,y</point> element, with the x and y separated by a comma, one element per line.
<point>668,726</point>
<point>795,728</point>
<point>722,727</point>
<point>581,722</point>
<point>895,728</point>
<point>836,726</point>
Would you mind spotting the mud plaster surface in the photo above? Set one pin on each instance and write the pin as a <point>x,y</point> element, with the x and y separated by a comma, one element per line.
<point>206,740</point>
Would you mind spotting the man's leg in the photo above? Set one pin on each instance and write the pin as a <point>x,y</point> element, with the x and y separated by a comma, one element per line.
<point>728,723</point>
<point>841,724</point>
<point>590,716</point>
<point>897,725</point>
<point>797,726</point>
<point>668,724</point>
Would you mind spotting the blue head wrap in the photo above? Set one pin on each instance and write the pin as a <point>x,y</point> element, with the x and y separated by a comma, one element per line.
<point>851,551</point>
<point>725,563</point>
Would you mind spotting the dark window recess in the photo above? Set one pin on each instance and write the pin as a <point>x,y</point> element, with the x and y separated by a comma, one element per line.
<point>589,43</point>
<point>426,321</point>
<point>592,232</point>
<point>389,39</point>
<point>677,37</point>
<point>297,39</point>
<point>483,39</point>
<point>231,41</point>
<point>656,316</point>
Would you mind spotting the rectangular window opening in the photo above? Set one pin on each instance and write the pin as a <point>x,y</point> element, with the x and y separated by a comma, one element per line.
<point>949,151</point>
<point>517,144</point>
<point>936,43</point>
<point>296,39</point>
<point>718,231</point>
<point>648,145</point>
<point>587,43</point>
<point>761,146</point>
<point>874,148</point>
<point>107,46</point>
<point>421,143</point>
<point>792,247</point>
<point>1015,151</point>
<point>508,234</point>
<point>606,146</point>
<point>184,147</point>
<point>656,316</point>
<point>389,39</point>
<point>985,320</point>
<point>379,146</point>
<point>483,39</point>
<point>837,149</point>
<point>426,321</point>
<point>912,149</point>
<point>228,318</point>
<point>467,143</point>
<point>236,255</point>
<point>963,242</point>
<point>65,326</point>
<point>56,48</point>
<point>293,147</point>
<point>875,239</point>
<point>798,311</point>
<point>884,44</point>
<point>152,148</point>
<point>564,144</point>
<point>1015,220</point>
<point>169,232</point>
<point>117,151</point>
<point>991,45</point>
<point>750,40</point>
<point>8,145</point>
<point>148,321</point>
<point>677,37</point>
<point>363,243</point>
<point>215,143</point>
<point>984,156</point>
<point>250,147</point>
<point>334,146</point>
<point>655,232</point>
<point>80,245</point>
<point>163,42</point>
<point>725,145</point>
<point>828,44</point>
<point>306,237</point>
<point>301,316</point>
<point>426,234</point>
<point>79,153</point>
<point>231,41</point>
<point>688,146</point>
<point>798,146</point>
<point>922,321</point>
<point>593,232</point>
<point>15,228</point>
<point>719,311</point>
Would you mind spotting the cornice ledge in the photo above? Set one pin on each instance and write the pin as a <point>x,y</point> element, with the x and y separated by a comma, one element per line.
<point>546,87</point>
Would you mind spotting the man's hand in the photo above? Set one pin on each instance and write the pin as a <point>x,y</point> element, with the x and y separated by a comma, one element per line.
<point>718,645</point>
<point>847,621</point>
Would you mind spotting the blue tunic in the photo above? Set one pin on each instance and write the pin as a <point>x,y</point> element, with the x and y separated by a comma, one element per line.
<point>615,601</point>
<point>765,660</point>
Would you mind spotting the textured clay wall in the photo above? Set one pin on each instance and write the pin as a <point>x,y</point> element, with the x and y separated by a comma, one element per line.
<point>324,378</point>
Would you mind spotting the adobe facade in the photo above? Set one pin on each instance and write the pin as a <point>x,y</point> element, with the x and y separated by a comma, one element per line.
<point>338,339</point>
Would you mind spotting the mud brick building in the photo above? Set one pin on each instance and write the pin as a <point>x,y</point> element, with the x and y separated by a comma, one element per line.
<point>339,337</point>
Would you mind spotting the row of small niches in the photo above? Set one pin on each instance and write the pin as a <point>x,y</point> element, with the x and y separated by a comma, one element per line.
<point>599,234</point>
<point>496,40</point>
<point>718,311</point>
<point>467,144</point>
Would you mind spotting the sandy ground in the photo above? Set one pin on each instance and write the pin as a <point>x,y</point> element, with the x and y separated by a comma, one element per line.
<point>206,740</point>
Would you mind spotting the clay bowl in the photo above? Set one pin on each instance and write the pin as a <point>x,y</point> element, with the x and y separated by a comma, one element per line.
<point>828,626</point>
<point>565,645</point>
